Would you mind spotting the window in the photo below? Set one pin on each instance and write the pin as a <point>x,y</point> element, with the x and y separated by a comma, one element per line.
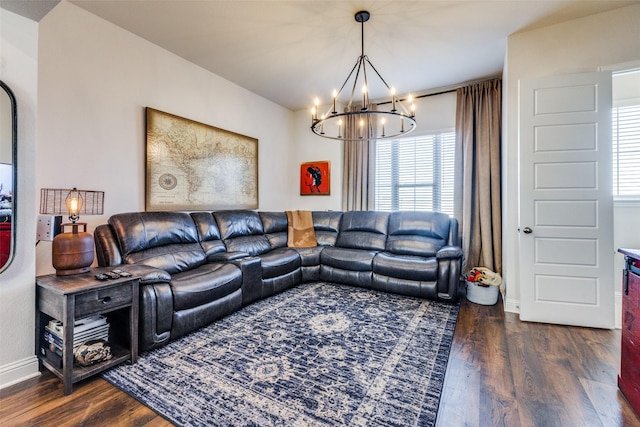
<point>626,151</point>
<point>415,174</point>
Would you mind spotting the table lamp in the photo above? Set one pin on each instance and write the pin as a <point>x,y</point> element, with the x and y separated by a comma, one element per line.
<point>72,252</point>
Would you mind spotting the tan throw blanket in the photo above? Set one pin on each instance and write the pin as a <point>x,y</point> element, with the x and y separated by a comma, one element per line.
<point>301,233</point>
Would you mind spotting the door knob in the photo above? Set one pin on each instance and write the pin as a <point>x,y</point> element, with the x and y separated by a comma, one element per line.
<point>527,230</point>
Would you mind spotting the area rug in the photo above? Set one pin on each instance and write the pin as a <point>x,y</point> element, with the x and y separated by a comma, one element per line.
<point>315,355</point>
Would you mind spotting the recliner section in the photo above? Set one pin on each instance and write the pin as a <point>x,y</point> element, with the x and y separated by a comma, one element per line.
<point>196,268</point>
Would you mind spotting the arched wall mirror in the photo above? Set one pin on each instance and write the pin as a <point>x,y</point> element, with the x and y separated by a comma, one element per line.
<point>8,174</point>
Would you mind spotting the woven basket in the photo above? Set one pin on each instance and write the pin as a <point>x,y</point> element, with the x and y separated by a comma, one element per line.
<point>484,295</point>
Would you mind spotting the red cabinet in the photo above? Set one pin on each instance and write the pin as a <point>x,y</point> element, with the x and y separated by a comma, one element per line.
<point>629,378</point>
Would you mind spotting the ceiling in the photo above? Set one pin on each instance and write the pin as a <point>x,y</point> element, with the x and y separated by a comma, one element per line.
<point>292,51</point>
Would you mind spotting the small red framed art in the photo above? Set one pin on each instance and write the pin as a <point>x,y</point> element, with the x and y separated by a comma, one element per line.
<point>315,178</point>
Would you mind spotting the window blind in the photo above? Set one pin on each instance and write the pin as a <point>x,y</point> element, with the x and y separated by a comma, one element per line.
<point>415,173</point>
<point>626,151</point>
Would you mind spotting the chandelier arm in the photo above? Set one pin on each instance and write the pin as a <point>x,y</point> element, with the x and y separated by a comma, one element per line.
<point>374,69</point>
<point>349,76</point>
<point>355,82</point>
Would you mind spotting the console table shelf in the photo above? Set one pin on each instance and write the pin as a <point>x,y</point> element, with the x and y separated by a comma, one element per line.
<point>68,298</point>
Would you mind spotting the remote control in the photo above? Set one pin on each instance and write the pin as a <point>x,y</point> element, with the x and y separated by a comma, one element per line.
<point>121,273</point>
<point>102,276</point>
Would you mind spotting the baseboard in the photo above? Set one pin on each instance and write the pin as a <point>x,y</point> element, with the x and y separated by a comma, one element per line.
<point>18,371</point>
<point>511,305</point>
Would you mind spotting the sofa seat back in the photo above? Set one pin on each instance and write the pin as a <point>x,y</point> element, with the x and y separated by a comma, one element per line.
<point>363,230</point>
<point>275,226</point>
<point>326,225</point>
<point>417,233</point>
<point>242,231</point>
<point>208,233</point>
<point>165,240</point>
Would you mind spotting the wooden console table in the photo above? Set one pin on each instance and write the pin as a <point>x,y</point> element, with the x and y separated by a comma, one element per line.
<point>629,378</point>
<point>68,298</point>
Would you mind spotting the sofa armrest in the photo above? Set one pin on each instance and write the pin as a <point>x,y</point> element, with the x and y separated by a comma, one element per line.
<point>226,256</point>
<point>449,252</point>
<point>148,274</point>
<point>107,249</point>
<point>251,268</point>
<point>156,315</point>
<point>449,278</point>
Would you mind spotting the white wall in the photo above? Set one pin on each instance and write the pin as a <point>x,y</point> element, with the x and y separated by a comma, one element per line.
<point>95,80</point>
<point>18,69</point>
<point>581,45</point>
<point>433,114</point>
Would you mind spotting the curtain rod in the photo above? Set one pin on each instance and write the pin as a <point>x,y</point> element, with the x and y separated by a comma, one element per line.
<point>450,89</point>
<point>442,92</point>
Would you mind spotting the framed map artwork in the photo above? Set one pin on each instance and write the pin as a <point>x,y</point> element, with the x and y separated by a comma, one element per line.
<point>315,179</point>
<point>194,166</point>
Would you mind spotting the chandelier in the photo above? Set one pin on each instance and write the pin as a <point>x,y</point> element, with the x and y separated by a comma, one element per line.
<point>399,120</point>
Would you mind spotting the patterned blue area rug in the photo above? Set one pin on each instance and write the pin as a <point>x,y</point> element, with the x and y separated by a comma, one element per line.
<point>315,355</point>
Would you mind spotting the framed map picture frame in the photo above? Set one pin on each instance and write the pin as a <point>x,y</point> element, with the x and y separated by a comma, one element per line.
<point>315,178</point>
<point>194,166</point>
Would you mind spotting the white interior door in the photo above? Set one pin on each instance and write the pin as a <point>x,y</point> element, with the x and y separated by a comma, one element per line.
<point>566,201</point>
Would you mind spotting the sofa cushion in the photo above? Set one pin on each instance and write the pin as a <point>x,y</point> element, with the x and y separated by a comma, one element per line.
<point>347,259</point>
<point>206,283</point>
<point>242,231</point>
<point>417,233</point>
<point>363,230</point>
<point>310,256</point>
<point>238,224</point>
<point>165,240</point>
<point>406,267</point>
<point>208,232</point>
<point>275,227</point>
<point>327,226</point>
<point>279,262</point>
<point>171,258</point>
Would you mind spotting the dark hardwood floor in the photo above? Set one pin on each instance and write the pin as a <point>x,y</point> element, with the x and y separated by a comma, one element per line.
<point>501,372</point>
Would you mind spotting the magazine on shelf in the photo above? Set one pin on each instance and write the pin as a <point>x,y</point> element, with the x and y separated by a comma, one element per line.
<point>99,333</point>
<point>79,326</point>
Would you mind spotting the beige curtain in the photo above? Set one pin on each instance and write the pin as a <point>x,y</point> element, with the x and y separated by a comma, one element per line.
<point>477,181</point>
<point>358,172</point>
